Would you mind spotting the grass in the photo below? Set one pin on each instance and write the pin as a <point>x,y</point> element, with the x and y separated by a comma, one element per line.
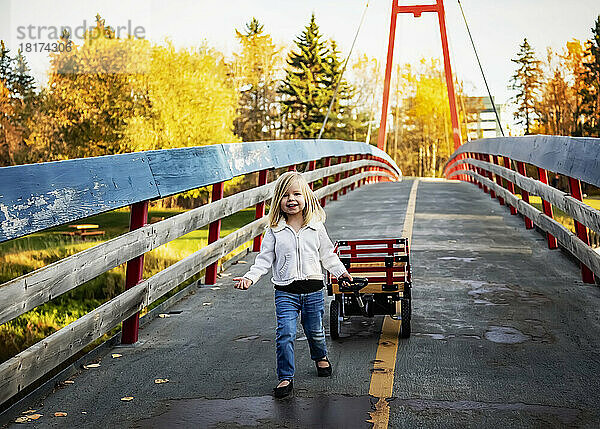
<point>23,255</point>
<point>561,216</point>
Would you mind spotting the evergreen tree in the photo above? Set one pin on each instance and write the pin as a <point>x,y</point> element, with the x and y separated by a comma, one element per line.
<point>343,121</point>
<point>305,87</point>
<point>526,80</point>
<point>309,86</point>
<point>23,82</point>
<point>591,88</point>
<point>6,66</point>
<point>17,98</point>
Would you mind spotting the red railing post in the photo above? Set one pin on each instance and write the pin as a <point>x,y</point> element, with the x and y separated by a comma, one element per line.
<point>260,209</point>
<point>478,171</point>
<point>543,174</point>
<point>311,167</point>
<point>474,170</point>
<point>339,160</point>
<point>373,179</point>
<point>524,194</point>
<point>326,180</point>
<point>362,170</point>
<point>575,189</point>
<point>134,272</point>
<point>214,230</point>
<point>486,157</point>
<point>498,179</point>
<point>292,167</point>
<point>456,166</point>
<point>482,171</point>
<point>510,185</point>
<point>355,184</point>
<point>349,173</point>
<point>469,166</point>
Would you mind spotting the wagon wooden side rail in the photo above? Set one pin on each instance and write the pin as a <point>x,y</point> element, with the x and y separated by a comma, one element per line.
<point>508,166</point>
<point>40,196</point>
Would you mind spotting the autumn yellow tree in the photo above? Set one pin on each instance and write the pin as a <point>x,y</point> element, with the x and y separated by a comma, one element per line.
<point>112,95</point>
<point>368,90</point>
<point>420,136</point>
<point>255,71</point>
<point>90,95</point>
<point>189,99</point>
<point>17,100</point>
<point>559,106</point>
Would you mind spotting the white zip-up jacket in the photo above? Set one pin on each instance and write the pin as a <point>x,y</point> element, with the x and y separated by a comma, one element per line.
<point>295,256</point>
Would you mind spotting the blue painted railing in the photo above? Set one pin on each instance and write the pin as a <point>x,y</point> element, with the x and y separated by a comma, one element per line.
<point>39,196</point>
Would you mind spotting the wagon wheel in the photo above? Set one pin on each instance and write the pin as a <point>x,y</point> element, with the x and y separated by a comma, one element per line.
<point>335,324</point>
<point>405,312</point>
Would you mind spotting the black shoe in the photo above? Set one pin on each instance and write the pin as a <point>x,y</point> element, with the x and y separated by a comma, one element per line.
<point>324,372</point>
<point>284,391</point>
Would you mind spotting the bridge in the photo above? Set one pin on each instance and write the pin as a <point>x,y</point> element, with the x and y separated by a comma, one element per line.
<point>504,303</point>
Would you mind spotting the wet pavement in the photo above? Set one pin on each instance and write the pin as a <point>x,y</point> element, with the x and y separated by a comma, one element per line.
<point>504,334</point>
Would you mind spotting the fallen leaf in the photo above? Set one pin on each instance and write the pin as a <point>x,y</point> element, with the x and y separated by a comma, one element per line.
<point>69,382</point>
<point>84,412</point>
<point>21,419</point>
<point>127,398</point>
<point>34,416</point>
<point>215,288</point>
<point>207,303</point>
<point>242,262</point>
<point>29,412</point>
<point>60,414</point>
<point>163,315</point>
<point>116,355</point>
<point>91,365</point>
<point>161,380</point>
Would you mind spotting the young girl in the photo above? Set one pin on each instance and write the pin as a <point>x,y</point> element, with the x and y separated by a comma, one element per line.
<point>294,247</point>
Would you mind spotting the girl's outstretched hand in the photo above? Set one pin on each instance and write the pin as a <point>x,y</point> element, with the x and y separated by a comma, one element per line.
<point>346,277</point>
<point>242,283</point>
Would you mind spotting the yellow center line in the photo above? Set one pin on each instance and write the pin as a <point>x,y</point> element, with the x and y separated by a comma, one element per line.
<point>382,379</point>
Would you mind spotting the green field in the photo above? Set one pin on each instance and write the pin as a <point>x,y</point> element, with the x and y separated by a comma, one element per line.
<point>20,256</point>
<point>561,216</point>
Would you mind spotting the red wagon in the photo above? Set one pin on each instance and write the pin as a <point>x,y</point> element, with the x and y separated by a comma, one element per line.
<point>382,286</point>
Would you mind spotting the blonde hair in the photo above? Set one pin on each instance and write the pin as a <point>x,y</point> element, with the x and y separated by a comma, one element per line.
<point>312,208</point>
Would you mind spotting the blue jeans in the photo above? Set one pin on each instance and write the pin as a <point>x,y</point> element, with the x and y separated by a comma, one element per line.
<point>287,307</point>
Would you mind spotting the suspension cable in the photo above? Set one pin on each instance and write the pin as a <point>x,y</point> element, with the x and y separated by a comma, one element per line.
<point>342,73</point>
<point>481,68</point>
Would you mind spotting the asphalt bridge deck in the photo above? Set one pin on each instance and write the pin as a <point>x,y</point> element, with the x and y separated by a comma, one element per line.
<point>504,334</point>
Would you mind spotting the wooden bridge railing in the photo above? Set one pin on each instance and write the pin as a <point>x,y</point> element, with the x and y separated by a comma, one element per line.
<point>578,159</point>
<point>40,196</point>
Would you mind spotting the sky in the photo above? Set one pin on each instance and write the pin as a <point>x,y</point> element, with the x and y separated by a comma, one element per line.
<point>498,28</point>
